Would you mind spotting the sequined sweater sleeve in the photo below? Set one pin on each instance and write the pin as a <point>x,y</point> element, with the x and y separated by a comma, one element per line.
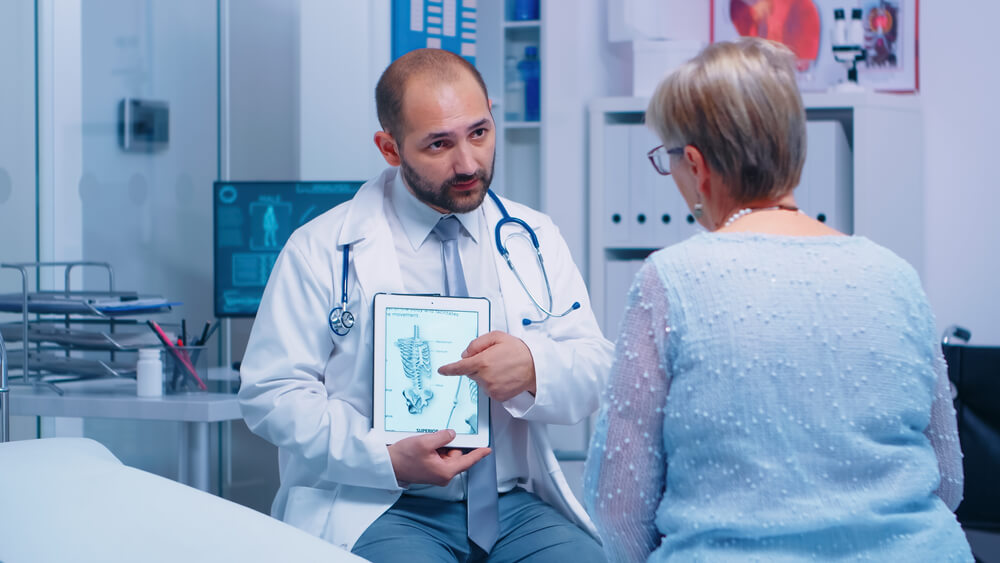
<point>943,435</point>
<point>626,468</point>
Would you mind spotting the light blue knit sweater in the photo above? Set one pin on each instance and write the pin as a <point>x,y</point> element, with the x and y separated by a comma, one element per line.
<point>809,414</point>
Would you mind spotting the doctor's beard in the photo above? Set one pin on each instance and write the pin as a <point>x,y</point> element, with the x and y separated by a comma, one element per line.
<point>441,196</point>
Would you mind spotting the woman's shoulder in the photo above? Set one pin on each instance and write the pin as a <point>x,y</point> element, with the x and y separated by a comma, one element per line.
<point>705,250</point>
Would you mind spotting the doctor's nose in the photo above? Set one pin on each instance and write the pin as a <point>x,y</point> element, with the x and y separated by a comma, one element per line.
<point>464,160</point>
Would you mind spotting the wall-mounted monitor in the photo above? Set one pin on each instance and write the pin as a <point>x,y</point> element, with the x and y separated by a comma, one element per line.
<point>252,222</point>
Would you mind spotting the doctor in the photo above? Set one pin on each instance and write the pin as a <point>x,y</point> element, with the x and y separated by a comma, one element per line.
<point>307,388</point>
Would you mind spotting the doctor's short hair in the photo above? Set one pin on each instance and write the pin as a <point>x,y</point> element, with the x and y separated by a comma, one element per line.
<point>737,103</point>
<point>436,65</point>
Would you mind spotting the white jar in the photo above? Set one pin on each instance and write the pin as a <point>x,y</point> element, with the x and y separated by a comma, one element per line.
<point>149,373</point>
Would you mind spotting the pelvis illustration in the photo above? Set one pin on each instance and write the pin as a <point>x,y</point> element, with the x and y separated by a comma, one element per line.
<point>416,355</point>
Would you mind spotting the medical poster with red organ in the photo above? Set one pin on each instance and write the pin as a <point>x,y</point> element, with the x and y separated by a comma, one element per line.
<point>806,27</point>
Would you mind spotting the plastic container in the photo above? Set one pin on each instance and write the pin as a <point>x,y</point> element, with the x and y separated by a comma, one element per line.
<point>513,97</point>
<point>530,70</point>
<point>177,369</point>
<point>149,373</point>
<point>525,10</point>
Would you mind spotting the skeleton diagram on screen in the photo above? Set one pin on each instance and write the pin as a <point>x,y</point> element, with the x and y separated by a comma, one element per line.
<point>421,342</point>
<point>416,355</point>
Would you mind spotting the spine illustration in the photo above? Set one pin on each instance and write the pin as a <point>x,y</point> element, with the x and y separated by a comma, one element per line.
<point>416,356</point>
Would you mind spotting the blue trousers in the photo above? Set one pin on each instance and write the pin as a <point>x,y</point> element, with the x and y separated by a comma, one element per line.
<point>425,530</point>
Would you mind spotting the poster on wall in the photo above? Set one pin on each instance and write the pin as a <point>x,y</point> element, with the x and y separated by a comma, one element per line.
<point>806,27</point>
<point>441,24</point>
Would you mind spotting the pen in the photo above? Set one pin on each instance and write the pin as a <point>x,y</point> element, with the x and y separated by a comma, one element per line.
<point>208,334</point>
<point>204,335</point>
<point>184,331</point>
<point>177,354</point>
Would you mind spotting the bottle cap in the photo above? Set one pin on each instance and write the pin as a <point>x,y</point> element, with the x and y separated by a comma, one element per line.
<point>856,14</point>
<point>838,14</point>
<point>149,353</point>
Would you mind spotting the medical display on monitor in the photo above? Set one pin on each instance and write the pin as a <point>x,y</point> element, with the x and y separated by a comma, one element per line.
<point>252,222</point>
<point>414,336</point>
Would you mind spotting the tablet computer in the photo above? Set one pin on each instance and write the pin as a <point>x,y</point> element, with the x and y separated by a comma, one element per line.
<point>414,336</point>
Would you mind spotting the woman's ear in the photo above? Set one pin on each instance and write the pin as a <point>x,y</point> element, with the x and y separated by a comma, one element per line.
<point>699,169</point>
<point>387,146</point>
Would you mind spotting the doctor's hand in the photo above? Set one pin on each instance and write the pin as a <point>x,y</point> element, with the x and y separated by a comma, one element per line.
<point>500,363</point>
<point>425,460</point>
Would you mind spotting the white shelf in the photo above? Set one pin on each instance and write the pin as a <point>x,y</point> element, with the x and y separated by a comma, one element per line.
<point>522,124</point>
<point>523,24</point>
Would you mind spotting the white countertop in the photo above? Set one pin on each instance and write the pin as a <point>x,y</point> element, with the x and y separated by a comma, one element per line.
<point>116,398</point>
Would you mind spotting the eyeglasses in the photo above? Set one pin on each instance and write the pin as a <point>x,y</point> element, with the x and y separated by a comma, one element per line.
<point>660,157</point>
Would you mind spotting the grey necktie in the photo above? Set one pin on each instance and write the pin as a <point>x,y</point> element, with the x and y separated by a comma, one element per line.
<point>481,494</point>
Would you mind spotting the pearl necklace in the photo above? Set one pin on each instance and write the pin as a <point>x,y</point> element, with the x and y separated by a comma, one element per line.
<point>748,210</point>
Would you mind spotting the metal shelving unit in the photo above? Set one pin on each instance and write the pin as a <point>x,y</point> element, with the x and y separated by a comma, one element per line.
<point>56,323</point>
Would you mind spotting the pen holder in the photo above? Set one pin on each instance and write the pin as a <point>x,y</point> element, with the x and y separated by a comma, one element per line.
<point>183,368</point>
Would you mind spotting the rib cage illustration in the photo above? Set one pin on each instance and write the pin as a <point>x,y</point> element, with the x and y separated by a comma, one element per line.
<point>416,355</point>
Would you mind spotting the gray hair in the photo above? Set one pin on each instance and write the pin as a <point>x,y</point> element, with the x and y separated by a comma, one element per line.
<point>737,103</point>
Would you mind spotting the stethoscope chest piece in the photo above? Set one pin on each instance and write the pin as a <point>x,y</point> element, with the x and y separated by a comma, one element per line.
<point>341,321</point>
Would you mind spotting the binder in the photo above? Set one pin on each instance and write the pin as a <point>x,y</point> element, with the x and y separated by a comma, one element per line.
<point>645,185</point>
<point>617,179</point>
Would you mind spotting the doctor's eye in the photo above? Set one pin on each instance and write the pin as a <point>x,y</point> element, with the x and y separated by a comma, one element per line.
<point>479,132</point>
<point>436,145</point>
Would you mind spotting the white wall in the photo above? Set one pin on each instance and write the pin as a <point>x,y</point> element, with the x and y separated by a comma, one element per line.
<point>263,90</point>
<point>960,86</point>
<point>344,47</point>
<point>17,138</point>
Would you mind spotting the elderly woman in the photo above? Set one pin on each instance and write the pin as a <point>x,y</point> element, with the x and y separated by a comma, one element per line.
<point>778,393</point>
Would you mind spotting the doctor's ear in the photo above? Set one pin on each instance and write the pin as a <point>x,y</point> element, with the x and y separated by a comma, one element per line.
<point>387,146</point>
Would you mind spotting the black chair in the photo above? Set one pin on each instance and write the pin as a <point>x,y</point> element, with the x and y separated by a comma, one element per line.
<point>975,373</point>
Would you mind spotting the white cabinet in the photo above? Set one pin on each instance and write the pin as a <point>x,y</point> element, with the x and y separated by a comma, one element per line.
<point>863,175</point>
<point>824,189</point>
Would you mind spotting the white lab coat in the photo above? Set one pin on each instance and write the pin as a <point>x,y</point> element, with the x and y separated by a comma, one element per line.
<point>309,391</point>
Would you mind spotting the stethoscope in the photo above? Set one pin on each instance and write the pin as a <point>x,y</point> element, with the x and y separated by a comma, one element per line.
<point>341,320</point>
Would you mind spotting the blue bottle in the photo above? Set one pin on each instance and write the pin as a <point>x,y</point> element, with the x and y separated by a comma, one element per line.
<point>513,96</point>
<point>530,69</point>
<point>525,9</point>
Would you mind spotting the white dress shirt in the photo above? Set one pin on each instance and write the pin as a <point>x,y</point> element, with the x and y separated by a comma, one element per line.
<point>420,263</point>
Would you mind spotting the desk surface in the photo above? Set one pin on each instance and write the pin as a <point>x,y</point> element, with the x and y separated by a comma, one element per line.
<point>116,398</point>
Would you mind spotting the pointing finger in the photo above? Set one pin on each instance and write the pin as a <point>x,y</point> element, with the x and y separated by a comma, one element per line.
<point>461,367</point>
<point>482,343</point>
